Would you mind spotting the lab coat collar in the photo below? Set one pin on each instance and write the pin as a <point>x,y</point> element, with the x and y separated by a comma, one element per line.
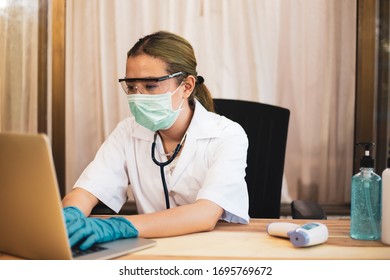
<point>202,125</point>
<point>142,133</point>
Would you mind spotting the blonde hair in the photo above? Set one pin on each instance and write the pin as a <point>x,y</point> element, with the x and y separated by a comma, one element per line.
<point>179,55</point>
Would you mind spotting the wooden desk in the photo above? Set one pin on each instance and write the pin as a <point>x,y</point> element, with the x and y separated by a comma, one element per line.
<point>235,241</point>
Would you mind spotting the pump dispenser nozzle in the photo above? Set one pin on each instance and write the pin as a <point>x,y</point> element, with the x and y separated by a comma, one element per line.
<point>366,160</point>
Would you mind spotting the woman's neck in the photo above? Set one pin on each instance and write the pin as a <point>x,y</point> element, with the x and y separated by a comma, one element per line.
<point>174,135</point>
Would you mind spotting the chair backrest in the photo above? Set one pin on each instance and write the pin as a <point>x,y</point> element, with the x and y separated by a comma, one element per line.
<point>266,127</point>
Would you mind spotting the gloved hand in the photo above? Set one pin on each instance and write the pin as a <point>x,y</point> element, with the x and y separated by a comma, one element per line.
<point>95,230</point>
<point>72,213</point>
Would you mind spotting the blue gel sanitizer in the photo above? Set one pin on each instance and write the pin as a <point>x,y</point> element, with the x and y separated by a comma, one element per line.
<point>309,234</point>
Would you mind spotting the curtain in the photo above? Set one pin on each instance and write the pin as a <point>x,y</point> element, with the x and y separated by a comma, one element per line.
<point>298,54</point>
<point>18,65</point>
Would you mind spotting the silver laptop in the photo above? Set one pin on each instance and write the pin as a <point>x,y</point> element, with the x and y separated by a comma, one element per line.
<point>31,219</point>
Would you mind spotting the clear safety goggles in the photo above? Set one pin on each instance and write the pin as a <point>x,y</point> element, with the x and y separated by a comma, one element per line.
<point>156,85</point>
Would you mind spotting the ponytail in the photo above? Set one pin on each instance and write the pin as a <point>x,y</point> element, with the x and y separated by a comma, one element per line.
<point>202,94</point>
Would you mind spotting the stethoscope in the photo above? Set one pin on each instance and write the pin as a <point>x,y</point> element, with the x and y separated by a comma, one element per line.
<point>163,164</point>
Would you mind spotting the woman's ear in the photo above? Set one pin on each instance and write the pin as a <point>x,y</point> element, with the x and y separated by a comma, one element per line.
<point>189,85</point>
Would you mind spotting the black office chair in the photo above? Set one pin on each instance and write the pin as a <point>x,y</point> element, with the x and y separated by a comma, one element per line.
<point>266,127</point>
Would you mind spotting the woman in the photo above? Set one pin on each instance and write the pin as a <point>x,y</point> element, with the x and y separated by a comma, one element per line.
<point>184,164</point>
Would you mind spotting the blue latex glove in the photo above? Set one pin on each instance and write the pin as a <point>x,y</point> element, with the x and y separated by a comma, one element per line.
<point>72,213</point>
<point>89,231</point>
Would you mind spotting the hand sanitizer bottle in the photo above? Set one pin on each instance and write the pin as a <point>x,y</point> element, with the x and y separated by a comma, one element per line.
<point>386,203</point>
<point>366,200</point>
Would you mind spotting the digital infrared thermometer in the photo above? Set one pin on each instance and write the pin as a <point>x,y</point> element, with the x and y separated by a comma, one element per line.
<point>300,236</point>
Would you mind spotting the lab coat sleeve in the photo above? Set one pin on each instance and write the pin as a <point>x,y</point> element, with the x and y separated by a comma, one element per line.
<point>106,176</point>
<point>225,182</point>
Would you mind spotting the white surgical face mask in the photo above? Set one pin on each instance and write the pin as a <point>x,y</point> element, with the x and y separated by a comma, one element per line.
<point>154,111</point>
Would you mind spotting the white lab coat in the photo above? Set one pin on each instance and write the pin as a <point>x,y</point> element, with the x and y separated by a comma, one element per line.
<point>211,166</point>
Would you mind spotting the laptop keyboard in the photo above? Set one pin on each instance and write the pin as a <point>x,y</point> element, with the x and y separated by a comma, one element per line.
<point>76,252</point>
